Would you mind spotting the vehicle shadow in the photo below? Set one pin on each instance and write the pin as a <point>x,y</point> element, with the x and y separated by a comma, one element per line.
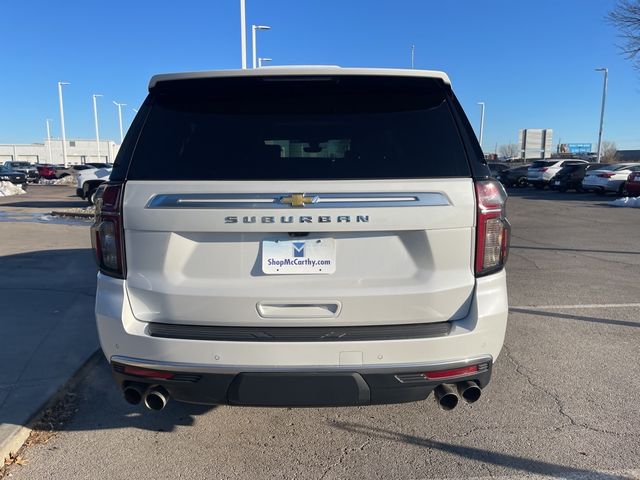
<point>76,203</point>
<point>536,194</point>
<point>514,462</point>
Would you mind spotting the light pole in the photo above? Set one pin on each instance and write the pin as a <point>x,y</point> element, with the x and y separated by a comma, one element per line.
<point>254,28</point>
<point>481,121</point>
<point>95,119</point>
<point>413,53</point>
<point>64,138</point>
<point>263,59</point>
<point>604,99</point>
<point>243,34</point>
<point>48,138</point>
<point>120,105</point>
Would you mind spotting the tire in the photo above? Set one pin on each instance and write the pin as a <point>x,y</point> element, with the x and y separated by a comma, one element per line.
<point>521,182</point>
<point>63,175</point>
<point>622,191</point>
<point>91,196</point>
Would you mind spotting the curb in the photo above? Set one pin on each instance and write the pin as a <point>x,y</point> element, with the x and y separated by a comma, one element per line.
<point>15,440</point>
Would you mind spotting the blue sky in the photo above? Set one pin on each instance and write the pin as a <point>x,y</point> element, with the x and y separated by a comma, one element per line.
<point>531,62</point>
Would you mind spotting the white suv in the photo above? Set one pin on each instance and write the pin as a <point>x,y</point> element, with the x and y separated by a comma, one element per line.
<point>541,172</point>
<point>301,236</point>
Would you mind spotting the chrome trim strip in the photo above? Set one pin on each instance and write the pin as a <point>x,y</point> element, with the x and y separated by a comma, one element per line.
<point>386,368</point>
<point>321,200</point>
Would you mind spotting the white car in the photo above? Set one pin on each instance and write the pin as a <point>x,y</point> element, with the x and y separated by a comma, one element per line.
<point>541,172</point>
<point>610,178</point>
<point>88,181</point>
<point>292,236</point>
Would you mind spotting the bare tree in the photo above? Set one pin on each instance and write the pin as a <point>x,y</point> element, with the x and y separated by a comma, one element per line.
<point>510,150</point>
<point>626,17</point>
<point>609,152</point>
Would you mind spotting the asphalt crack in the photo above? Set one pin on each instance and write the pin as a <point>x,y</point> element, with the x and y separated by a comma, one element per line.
<point>346,451</point>
<point>571,422</point>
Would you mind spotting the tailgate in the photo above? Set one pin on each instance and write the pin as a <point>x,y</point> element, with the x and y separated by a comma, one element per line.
<point>401,251</point>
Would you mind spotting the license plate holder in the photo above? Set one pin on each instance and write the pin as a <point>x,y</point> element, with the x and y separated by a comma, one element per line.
<point>303,256</point>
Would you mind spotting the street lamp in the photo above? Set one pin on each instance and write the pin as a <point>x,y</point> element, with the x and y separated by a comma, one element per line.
<point>481,121</point>
<point>120,105</point>
<point>253,40</point>
<point>64,138</point>
<point>604,99</point>
<point>47,120</point>
<point>413,54</point>
<point>95,119</point>
<point>263,59</point>
<point>243,34</point>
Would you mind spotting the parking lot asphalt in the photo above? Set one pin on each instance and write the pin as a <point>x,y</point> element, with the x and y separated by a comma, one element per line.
<point>562,402</point>
<point>47,291</point>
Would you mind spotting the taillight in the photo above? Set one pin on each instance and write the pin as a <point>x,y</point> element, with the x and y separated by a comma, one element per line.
<point>543,169</point>
<point>606,175</point>
<point>107,236</point>
<point>493,228</point>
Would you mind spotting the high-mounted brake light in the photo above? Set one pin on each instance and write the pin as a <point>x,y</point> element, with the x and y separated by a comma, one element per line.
<point>492,229</point>
<point>107,236</point>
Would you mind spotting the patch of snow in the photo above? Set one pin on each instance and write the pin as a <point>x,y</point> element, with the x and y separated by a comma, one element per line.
<point>632,202</point>
<point>8,189</point>
<point>68,180</point>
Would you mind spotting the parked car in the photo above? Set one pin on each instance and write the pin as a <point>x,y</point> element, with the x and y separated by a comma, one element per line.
<point>72,170</point>
<point>29,169</point>
<point>571,176</point>
<point>88,180</point>
<point>610,178</point>
<point>496,168</point>
<point>633,184</point>
<point>9,175</point>
<point>265,272</point>
<point>46,171</point>
<point>541,172</point>
<point>514,177</point>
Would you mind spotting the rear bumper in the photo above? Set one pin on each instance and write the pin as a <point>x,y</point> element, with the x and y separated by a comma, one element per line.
<point>126,340</point>
<point>315,387</point>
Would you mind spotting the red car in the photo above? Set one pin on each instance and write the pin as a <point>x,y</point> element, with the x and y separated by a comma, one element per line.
<point>633,184</point>
<point>47,171</point>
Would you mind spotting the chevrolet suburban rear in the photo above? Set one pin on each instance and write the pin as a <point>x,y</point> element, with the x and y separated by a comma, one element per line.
<point>301,236</point>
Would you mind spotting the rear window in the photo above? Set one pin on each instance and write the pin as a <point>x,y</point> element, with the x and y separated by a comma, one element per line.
<point>299,128</point>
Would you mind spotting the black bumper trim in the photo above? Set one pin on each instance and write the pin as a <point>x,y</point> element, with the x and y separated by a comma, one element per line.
<point>301,389</point>
<point>300,334</point>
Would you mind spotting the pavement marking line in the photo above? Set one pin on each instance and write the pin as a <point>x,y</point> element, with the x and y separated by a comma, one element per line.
<point>577,307</point>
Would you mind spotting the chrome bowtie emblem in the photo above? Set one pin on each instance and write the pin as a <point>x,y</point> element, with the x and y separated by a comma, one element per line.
<point>298,200</point>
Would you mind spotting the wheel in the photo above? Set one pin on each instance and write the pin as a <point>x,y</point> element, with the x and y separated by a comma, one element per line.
<point>521,182</point>
<point>91,196</point>
<point>622,190</point>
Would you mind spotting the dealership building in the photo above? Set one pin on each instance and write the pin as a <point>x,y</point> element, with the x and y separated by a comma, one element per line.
<point>78,152</point>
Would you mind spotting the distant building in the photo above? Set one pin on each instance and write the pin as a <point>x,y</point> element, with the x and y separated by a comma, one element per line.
<point>535,142</point>
<point>78,152</point>
<point>628,156</point>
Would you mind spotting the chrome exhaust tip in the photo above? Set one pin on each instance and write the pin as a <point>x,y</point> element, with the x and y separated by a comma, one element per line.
<point>132,394</point>
<point>470,391</point>
<point>156,398</point>
<point>446,396</point>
